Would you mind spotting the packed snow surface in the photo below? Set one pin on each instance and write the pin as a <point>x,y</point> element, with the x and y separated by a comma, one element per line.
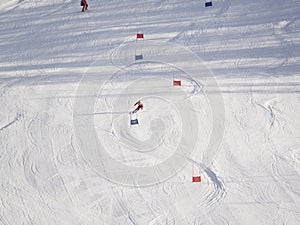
<point>69,80</point>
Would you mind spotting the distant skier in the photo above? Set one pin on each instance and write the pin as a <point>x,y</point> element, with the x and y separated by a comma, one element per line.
<point>139,105</point>
<point>84,5</point>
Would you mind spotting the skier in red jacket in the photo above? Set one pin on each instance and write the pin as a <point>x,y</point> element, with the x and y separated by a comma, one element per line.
<point>84,5</point>
<point>139,106</point>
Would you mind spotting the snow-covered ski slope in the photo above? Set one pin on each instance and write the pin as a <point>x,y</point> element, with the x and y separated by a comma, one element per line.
<point>68,80</point>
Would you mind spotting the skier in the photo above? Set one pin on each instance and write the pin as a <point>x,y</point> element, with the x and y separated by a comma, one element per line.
<point>84,5</point>
<point>139,106</point>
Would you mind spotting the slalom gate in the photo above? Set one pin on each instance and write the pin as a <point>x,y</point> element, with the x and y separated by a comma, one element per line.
<point>139,51</point>
<point>177,81</point>
<point>196,177</point>
<point>133,119</point>
<point>208,3</point>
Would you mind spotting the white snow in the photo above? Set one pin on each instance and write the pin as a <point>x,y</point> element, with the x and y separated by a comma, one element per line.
<point>68,80</point>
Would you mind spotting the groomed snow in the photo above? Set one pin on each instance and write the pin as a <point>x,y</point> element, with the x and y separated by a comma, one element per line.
<point>68,80</point>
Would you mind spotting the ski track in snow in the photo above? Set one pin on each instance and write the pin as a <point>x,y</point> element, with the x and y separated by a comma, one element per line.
<point>252,48</point>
